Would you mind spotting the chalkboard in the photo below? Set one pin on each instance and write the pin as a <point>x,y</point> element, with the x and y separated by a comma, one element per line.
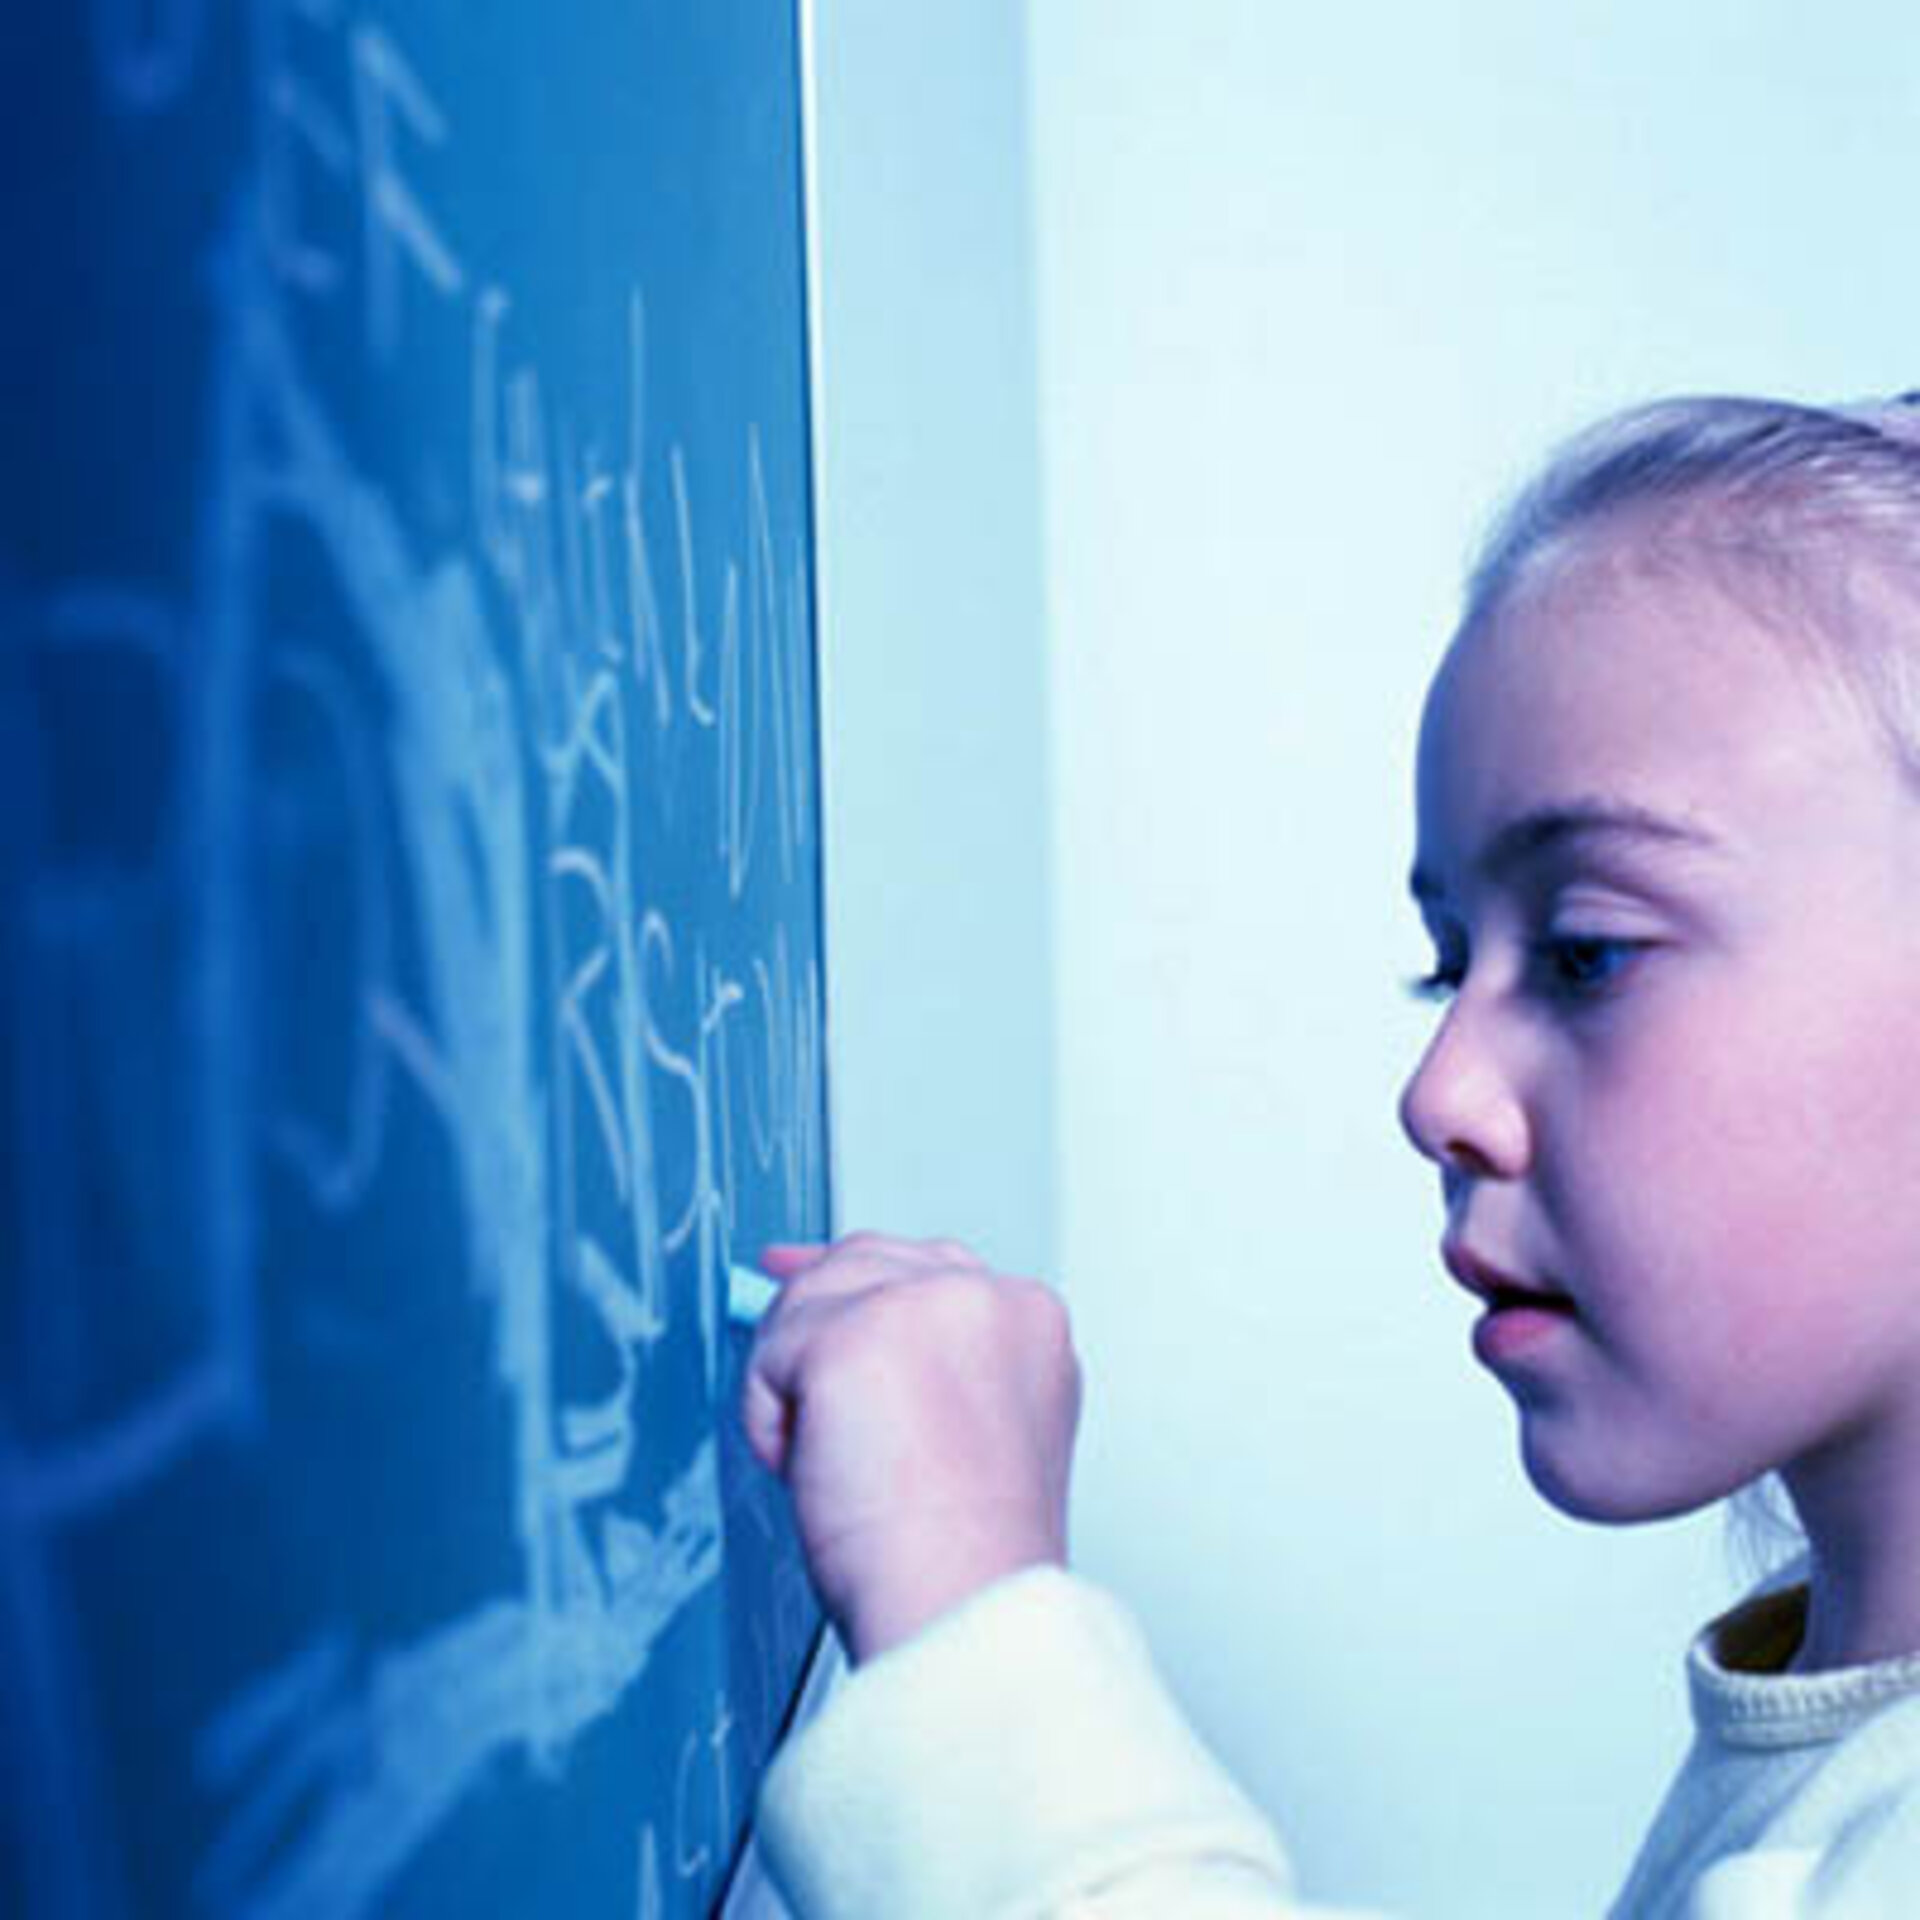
<point>411,944</point>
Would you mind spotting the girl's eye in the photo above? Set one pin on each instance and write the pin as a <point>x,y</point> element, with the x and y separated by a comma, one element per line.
<point>1580,966</point>
<point>1585,965</point>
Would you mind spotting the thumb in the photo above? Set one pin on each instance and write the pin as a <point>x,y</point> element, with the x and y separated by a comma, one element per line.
<point>767,1417</point>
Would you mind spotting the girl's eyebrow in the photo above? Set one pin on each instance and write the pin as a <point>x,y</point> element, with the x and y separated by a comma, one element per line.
<point>1564,824</point>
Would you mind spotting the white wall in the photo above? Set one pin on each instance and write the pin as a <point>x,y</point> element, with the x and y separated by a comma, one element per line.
<point>1315,285</point>
<point>940,1045</point>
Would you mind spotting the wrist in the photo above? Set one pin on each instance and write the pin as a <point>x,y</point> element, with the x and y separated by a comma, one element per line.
<point>932,1578</point>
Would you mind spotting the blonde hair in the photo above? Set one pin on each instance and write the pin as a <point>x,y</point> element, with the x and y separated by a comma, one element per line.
<point>1811,516</point>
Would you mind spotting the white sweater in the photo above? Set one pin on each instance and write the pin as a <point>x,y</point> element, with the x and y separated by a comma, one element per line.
<point>1021,1758</point>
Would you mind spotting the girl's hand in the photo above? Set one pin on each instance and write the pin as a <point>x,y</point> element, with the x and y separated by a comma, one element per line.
<point>921,1409</point>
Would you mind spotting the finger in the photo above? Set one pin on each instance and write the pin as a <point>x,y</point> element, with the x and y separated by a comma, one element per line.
<point>767,1417</point>
<point>955,1253</point>
<point>784,1259</point>
<point>772,1394</point>
<point>917,1250</point>
<point>856,1262</point>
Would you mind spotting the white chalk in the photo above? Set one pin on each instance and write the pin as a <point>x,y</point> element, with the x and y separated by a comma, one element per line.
<point>749,1294</point>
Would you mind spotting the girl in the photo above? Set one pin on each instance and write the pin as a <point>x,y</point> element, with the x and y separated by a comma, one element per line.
<point>1668,807</point>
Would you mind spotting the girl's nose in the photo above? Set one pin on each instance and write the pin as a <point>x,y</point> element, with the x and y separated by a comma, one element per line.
<point>1460,1109</point>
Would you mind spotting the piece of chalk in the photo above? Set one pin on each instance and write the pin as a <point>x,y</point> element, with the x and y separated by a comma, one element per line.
<point>749,1294</point>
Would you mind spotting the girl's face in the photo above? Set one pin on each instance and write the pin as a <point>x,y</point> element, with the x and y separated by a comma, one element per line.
<point>1673,881</point>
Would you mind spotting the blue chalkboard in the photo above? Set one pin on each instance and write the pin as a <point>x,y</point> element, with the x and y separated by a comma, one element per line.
<point>411,945</point>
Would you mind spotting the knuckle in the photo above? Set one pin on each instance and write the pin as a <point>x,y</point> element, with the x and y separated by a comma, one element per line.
<point>1043,1308</point>
<point>1010,1311</point>
<point>944,1306</point>
<point>850,1346</point>
<point>1050,1336</point>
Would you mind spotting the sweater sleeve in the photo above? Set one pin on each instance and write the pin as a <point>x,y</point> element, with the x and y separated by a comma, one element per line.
<point>1018,1758</point>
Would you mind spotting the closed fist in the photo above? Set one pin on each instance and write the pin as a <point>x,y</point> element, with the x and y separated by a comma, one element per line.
<point>921,1409</point>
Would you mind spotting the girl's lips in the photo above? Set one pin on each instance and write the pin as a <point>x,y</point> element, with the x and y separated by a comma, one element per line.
<point>1503,1291</point>
<point>1522,1316</point>
<point>1505,1336</point>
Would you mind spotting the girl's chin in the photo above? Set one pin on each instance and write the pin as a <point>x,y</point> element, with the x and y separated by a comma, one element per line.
<point>1603,1491</point>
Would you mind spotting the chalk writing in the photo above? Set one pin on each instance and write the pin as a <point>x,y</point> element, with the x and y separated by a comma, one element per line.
<point>397,1072</point>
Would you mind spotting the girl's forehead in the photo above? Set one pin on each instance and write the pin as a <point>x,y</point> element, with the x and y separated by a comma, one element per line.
<point>1634,641</point>
<point>1650,689</point>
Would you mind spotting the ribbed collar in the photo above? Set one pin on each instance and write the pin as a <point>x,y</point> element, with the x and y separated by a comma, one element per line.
<point>1743,1699</point>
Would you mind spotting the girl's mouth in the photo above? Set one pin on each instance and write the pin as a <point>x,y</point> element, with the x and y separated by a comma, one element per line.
<point>1500,1289</point>
<point>1520,1327</point>
<point>1505,1298</point>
